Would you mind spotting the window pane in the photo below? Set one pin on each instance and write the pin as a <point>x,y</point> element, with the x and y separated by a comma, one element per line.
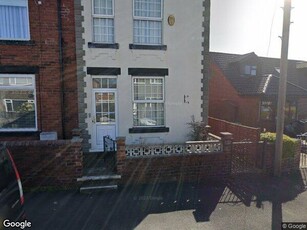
<point>148,8</point>
<point>267,110</point>
<point>148,89</point>
<point>17,109</point>
<point>105,107</point>
<point>104,83</point>
<point>148,106</point>
<point>97,83</point>
<point>98,107</point>
<point>103,7</point>
<point>112,83</point>
<point>16,81</point>
<point>147,32</point>
<point>14,21</point>
<point>103,30</point>
<point>107,83</point>
<point>290,111</point>
<point>148,114</point>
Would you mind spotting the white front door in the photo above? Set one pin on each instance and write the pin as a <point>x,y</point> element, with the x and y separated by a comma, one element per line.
<point>104,116</point>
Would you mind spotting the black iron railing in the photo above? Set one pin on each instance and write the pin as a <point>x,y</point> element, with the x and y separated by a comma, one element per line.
<point>109,145</point>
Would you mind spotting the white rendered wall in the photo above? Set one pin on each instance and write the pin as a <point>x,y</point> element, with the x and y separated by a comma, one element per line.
<point>182,59</point>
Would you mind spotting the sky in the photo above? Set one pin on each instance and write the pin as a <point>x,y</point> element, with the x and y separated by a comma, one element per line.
<point>243,26</point>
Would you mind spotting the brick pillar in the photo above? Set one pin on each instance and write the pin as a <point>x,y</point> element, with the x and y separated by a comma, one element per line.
<point>227,149</point>
<point>227,141</point>
<point>120,154</point>
<point>76,145</point>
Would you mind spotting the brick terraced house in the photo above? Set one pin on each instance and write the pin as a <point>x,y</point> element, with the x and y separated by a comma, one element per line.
<point>244,89</point>
<point>38,86</point>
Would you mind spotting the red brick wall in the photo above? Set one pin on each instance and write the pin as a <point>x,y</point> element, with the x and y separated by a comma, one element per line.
<point>47,163</point>
<point>226,104</point>
<point>239,132</point>
<point>191,167</point>
<point>44,53</point>
<point>177,168</point>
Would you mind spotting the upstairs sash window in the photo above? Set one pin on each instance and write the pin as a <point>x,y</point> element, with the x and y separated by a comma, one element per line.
<point>147,22</point>
<point>103,21</point>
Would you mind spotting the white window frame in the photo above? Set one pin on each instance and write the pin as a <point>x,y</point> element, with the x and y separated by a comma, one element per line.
<point>159,19</point>
<point>8,101</point>
<point>161,101</point>
<point>21,87</point>
<point>24,3</point>
<point>102,16</point>
<point>11,101</point>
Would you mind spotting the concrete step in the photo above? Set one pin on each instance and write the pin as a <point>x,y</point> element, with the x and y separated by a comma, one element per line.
<point>98,183</point>
<point>99,178</point>
<point>98,188</point>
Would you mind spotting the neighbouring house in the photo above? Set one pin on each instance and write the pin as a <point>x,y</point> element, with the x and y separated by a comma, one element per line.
<point>38,84</point>
<point>140,72</point>
<point>244,89</point>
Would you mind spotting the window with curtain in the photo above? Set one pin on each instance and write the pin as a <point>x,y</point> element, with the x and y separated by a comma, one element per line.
<point>14,20</point>
<point>147,22</point>
<point>148,101</point>
<point>17,102</point>
<point>103,21</point>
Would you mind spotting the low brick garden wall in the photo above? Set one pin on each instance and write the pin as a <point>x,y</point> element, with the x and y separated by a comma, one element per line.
<point>180,167</point>
<point>44,164</point>
<point>235,158</point>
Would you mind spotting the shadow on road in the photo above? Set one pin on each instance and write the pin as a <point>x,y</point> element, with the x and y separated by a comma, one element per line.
<point>128,207</point>
<point>254,188</point>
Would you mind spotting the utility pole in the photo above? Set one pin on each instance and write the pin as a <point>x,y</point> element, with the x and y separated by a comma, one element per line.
<point>282,88</point>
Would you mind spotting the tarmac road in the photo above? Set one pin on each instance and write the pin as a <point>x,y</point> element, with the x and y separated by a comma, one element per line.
<point>245,202</point>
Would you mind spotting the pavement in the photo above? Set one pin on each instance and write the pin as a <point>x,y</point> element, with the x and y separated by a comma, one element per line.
<point>243,202</point>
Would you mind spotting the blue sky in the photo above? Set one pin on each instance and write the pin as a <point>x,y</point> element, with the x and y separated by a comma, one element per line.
<point>242,26</point>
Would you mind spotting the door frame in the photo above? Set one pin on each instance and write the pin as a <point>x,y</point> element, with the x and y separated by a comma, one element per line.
<point>93,116</point>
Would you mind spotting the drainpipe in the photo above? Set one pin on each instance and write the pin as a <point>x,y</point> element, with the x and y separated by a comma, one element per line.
<point>61,62</point>
<point>205,62</point>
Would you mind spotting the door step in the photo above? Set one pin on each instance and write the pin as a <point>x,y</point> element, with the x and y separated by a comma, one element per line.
<point>98,183</point>
<point>97,178</point>
<point>98,188</point>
